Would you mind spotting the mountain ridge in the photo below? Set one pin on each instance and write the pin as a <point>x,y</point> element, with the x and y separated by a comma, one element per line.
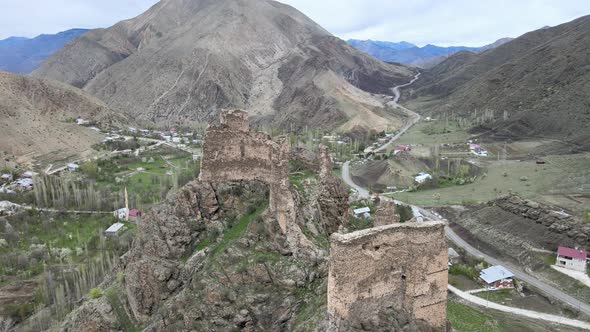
<point>425,56</point>
<point>37,118</point>
<point>21,55</point>
<point>183,61</point>
<point>533,86</point>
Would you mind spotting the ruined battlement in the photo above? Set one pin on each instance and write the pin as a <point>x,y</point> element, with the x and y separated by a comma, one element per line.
<point>231,152</point>
<point>235,120</point>
<point>398,270</point>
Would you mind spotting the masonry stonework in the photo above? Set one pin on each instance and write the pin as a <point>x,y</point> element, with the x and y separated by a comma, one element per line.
<point>386,214</point>
<point>389,278</point>
<point>231,152</point>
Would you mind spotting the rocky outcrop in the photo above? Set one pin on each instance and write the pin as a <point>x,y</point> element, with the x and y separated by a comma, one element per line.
<point>553,218</point>
<point>153,267</point>
<point>333,199</point>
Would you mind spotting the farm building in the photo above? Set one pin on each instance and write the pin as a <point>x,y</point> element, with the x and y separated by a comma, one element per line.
<point>115,229</point>
<point>422,177</point>
<point>402,148</point>
<point>573,259</point>
<point>121,213</point>
<point>497,276</point>
<point>25,183</point>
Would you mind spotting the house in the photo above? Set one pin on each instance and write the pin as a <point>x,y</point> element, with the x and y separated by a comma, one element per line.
<point>6,177</point>
<point>115,229</point>
<point>73,167</point>
<point>28,174</point>
<point>82,122</point>
<point>364,211</point>
<point>134,215</point>
<point>25,183</point>
<point>401,148</point>
<point>121,214</point>
<point>453,256</point>
<point>573,259</point>
<point>422,177</point>
<point>497,277</point>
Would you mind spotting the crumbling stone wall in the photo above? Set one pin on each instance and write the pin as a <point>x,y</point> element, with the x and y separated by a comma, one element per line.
<point>389,278</point>
<point>231,152</point>
<point>548,216</point>
<point>386,214</point>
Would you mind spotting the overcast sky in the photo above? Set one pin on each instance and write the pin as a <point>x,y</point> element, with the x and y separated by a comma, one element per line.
<point>441,22</point>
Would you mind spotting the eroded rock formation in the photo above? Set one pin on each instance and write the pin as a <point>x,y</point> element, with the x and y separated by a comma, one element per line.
<point>389,278</point>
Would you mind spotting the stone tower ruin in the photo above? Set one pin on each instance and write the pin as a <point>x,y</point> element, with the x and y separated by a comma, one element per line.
<point>392,277</point>
<point>231,152</point>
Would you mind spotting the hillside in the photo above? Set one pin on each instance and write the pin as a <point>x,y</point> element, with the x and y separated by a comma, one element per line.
<point>534,86</point>
<point>37,118</point>
<point>23,55</point>
<point>184,60</point>
<point>409,54</point>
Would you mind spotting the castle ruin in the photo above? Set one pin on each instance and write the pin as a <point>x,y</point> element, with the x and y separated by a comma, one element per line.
<point>231,152</point>
<point>397,271</point>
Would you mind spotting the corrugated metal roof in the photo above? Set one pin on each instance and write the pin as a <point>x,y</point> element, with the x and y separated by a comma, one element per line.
<point>495,273</point>
<point>362,210</point>
<point>573,253</point>
<point>115,228</point>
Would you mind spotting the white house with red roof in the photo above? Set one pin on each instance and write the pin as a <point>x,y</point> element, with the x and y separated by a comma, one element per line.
<point>573,259</point>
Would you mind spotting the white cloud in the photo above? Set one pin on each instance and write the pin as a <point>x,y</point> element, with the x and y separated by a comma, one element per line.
<point>448,22</point>
<point>29,18</point>
<point>441,22</point>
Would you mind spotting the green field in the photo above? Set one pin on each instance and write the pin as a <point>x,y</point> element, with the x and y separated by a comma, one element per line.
<point>557,176</point>
<point>434,133</point>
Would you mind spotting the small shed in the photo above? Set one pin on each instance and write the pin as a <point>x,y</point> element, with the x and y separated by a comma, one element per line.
<point>73,166</point>
<point>497,276</point>
<point>115,229</point>
<point>364,211</point>
<point>134,215</point>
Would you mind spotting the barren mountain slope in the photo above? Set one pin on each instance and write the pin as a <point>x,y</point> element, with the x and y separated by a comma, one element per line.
<point>36,117</point>
<point>183,60</point>
<point>535,85</point>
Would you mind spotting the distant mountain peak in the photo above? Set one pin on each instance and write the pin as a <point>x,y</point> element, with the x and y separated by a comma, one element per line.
<point>410,54</point>
<point>22,55</point>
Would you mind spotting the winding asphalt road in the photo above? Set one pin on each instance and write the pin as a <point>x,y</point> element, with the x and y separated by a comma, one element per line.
<point>451,235</point>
